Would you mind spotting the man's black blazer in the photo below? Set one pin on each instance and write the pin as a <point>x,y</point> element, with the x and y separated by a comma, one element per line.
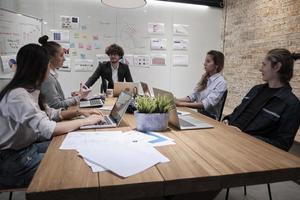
<point>104,70</point>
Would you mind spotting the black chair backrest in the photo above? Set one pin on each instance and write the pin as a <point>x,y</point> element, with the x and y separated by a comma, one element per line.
<point>223,100</point>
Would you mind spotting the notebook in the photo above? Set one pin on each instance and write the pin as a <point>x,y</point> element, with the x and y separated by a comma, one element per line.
<point>116,114</point>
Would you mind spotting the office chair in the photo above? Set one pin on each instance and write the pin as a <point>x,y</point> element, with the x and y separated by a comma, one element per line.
<point>223,100</point>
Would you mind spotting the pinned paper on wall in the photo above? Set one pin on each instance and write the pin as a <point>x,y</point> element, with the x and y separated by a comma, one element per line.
<point>180,60</point>
<point>66,65</point>
<point>60,36</point>
<point>97,45</point>
<point>158,44</point>
<point>128,60</point>
<point>76,35</point>
<point>180,44</point>
<point>82,55</point>
<point>6,62</point>
<point>88,47</point>
<point>72,45</point>
<point>102,58</point>
<point>84,64</point>
<point>158,59</point>
<point>95,37</point>
<point>69,22</point>
<point>141,60</point>
<point>66,48</point>
<point>180,29</point>
<point>74,53</point>
<point>83,27</point>
<point>80,46</point>
<point>156,28</point>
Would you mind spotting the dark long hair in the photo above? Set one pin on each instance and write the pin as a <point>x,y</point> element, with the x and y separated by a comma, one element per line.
<point>32,65</point>
<point>286,58</point>
<point>218,58</point>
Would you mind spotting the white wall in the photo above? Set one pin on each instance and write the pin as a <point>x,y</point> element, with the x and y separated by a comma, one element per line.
<point>204,28</point>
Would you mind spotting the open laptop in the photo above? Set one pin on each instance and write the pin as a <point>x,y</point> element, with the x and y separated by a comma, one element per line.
<point>124,86</point>
<point>94,102</point>
<point>116,114</point>
<point>147,90</point>
<point>181,122</point>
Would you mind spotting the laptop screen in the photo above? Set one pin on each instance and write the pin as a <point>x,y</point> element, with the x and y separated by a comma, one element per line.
<point>120,107</point>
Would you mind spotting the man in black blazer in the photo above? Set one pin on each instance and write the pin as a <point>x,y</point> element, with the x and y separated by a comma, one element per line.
<point>113,71</point>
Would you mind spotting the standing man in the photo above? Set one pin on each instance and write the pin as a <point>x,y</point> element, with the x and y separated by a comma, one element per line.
<point>113,71</point>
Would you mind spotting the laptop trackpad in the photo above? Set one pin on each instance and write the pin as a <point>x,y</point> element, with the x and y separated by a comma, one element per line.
<point>185,123</point>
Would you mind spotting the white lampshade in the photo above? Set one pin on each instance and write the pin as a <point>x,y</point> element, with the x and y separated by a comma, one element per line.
<point>125,3</point>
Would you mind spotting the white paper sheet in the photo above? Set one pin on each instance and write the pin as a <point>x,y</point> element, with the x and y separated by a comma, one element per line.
<point>122,159</point>
<point>158,44</point>
<point>180,60</point>
<point>76,139</point>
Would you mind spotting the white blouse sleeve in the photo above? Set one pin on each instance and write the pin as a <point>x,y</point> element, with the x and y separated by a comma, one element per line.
<point>23,110</point>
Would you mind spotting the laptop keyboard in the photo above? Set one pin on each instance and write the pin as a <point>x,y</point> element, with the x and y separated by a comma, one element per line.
<point>184,123</point>
<point>95,102</point>
<point>106,121</point>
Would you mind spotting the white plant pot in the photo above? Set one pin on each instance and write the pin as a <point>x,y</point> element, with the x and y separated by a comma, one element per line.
<point>151,121</point>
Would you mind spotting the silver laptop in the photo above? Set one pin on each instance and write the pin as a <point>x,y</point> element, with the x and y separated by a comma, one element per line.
<point>181,122</point>
<point>147,90</point>
<point>116,114</point>
<point>91,103</point>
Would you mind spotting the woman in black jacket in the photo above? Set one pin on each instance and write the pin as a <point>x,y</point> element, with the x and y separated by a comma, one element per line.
<point>271,112</point>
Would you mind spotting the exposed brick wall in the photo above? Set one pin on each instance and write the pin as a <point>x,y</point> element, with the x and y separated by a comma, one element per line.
<point>252,27</point>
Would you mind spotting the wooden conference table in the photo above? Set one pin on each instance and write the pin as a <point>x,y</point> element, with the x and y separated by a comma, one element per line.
<point>202,160</point>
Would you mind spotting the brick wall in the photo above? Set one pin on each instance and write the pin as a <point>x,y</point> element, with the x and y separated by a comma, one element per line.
<point>250,29</point>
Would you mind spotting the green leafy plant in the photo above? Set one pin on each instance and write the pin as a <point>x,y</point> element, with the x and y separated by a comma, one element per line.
<point>159,104</point>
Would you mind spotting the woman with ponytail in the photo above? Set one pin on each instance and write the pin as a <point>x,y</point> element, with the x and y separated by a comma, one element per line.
<point>270,111</point>
<point>51,90</point>
<point>210,89</point>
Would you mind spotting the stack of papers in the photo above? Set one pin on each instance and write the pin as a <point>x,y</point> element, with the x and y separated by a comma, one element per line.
<point>124,154</point>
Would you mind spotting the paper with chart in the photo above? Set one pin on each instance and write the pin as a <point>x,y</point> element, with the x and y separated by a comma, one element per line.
<point>180,29</point>
<point>60,36</point>
<point>141,60</point>
<point>158,59</point>
<point>5,62</point>
<point>156,28</point>
<point>158,44</point>
<point>84,65</point>
<point>180,44</point>
<point>180,60</point>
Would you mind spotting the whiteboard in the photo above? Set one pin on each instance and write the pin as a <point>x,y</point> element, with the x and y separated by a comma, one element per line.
<point>100,26</point>
<point>16,30</point>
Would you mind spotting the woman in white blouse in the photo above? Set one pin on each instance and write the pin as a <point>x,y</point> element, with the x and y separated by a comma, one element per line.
<point>209,90</point>
<point>24,127</point>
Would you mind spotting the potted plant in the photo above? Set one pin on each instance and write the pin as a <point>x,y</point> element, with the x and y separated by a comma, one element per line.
<point>152,114</point>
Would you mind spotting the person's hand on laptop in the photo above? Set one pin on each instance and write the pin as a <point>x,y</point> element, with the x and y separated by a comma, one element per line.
<point>88,112</point>
<point>93,119</point>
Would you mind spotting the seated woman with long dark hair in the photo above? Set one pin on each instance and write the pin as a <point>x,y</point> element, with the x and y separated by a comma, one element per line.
<point>25,129</point>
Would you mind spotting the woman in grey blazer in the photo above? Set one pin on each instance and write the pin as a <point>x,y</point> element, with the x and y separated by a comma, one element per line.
<point>51,90</point>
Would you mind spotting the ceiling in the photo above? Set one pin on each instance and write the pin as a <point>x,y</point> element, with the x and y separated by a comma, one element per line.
<point>215,3</point>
